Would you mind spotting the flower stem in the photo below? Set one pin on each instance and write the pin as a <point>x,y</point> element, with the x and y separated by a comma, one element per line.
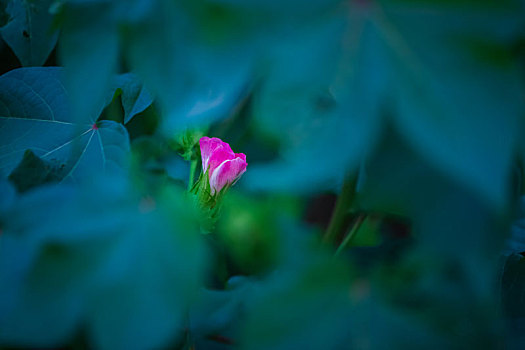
<point>342,209</point>
<point>351,234</point>
<point>193,167</point>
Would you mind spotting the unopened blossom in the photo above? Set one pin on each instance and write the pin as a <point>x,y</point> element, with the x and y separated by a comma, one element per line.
<point>220,164</point>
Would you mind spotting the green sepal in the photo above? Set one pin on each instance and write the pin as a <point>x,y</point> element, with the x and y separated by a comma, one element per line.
<point>186,144</point>
<point>209,204</point>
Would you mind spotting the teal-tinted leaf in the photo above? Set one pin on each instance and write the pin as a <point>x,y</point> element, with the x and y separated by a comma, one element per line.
<point>195,82</point>
<point>515,244</point>
<point>29,32</point>
<point>456,240</point>
<point>101,260</point>
<point>452,118</point>
<point>135,98</point>
<point>216,316</point>
<point>300,307</point>
<point>33,171</point>
<point>440,209</point>
<point>441,296</point>
<point>399,59</point>
<point>325,114</point>
<point>377,325</point>
<point>21,253</point>
<point>35,114</point>
<point>209,52</point>
<point>89,66</point>
<point>198,58</point>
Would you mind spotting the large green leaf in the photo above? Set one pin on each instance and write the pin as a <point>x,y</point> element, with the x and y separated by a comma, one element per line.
<point>323,109</point>
<point>444,215</point>
<point>35,114</point>
<point>196,82</point>
<point>445,73</point>
<point>101,260</point>
<point>197,57</point>
<point>29,32</point>
<point>303,307</point>
<point>304,303</point>
<point>455,85</point>
<point>89,66</point>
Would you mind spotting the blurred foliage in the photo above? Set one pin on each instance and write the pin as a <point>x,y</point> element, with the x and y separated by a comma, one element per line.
<point>28,31</point>
<point>33,171</point>
<point>407,114</point>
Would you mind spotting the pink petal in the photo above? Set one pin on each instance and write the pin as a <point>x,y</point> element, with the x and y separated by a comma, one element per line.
<point>240,155</point>
<point>218,157</point>
<point>227,172</point>
<point>210,146</point>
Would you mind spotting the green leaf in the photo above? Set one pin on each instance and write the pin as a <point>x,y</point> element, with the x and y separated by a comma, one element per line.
<point>299,310</point>
<point>34,114</point>
<point>196,83</point>
<point>439,71</point>
<point>217,314</point>
<point>325,114</point>
<point>29,33</point>
<point>440,294</point>
<point>100,260</point>
<point>135,98</point>
<point>89,66</point>
<point>33,171</point>
<point>444,215</point>
<point>449,76</point>
<point>302,304</point>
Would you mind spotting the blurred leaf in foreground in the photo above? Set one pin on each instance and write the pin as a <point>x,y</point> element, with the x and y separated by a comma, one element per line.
<point>29,32</point>
<point>33,171</point>
<point>447,280</point>
<point>102,261</point>
<point>450,74</point>
<point>303,304</point>
<point>442,72</point>
<point>88,67</point>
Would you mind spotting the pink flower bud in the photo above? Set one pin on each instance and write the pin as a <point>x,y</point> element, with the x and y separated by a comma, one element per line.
<point>224,167</point>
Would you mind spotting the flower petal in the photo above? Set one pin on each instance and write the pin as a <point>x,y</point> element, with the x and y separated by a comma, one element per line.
<point>227,173</point>
<point>209,147</point>
<point>241,155</point>
<point>218,157</point>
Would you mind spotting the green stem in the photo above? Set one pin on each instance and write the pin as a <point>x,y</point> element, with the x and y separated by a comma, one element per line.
<point>351,234</point>
<point>193,167</point>
<point>342,209</point>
